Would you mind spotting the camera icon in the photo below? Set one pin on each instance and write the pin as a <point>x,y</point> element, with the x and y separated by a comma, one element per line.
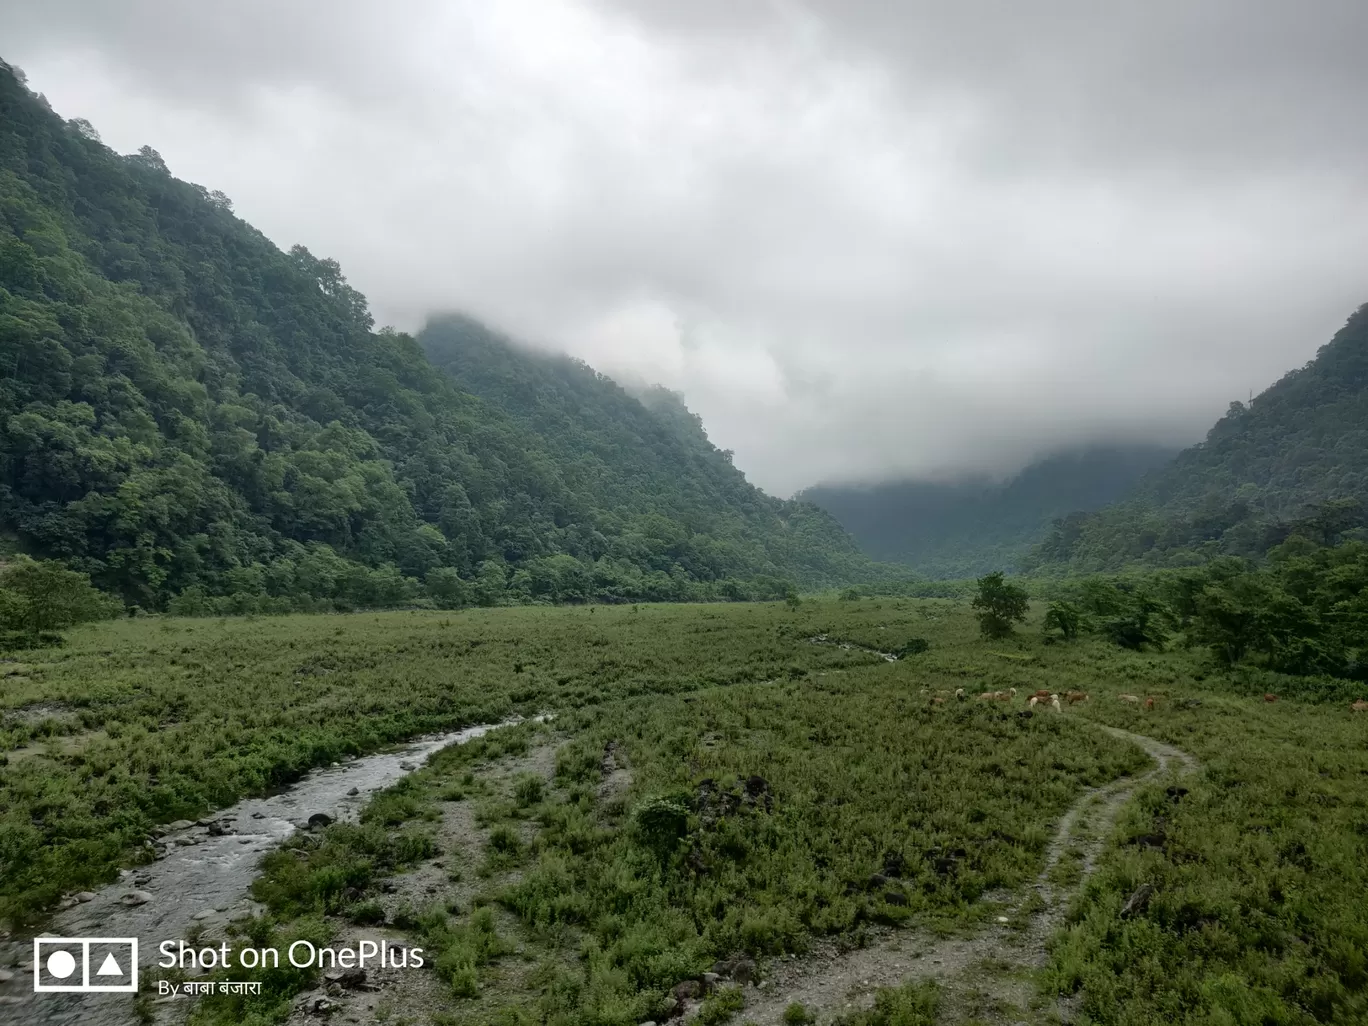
<point>85,965</point>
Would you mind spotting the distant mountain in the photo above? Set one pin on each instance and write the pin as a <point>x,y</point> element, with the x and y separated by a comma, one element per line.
<point>202,421</point>
<point>1295,459</point>
<point>975,526</point>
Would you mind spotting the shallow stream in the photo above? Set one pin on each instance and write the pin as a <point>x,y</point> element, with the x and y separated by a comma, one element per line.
<point>201,878</point>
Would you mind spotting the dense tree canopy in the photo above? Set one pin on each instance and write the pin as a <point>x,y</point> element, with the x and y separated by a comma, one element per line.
<point>193,417</point>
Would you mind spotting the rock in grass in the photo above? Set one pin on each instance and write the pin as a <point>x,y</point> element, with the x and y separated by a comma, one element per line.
<point>346,977</point>
<point>407,766</point>
<point>894,898</point>
<point>1138,901</point>
<point>318,820</point>
<point>686,989</point>
<point>741,969</point>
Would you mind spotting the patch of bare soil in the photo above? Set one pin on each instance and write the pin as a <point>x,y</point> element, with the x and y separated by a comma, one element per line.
<point>450,879</point>
<point>617,775</point>
<point>986,975</point>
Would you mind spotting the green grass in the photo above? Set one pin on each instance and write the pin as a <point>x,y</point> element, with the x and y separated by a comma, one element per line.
<point>140,722</point>
<point>1261,911</point>
<point>1262,880</point>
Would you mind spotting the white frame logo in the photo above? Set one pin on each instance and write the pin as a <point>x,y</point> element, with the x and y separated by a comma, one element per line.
<point>85,986</point>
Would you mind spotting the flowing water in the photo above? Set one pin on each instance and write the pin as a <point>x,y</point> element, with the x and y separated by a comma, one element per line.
<point>201,879</point>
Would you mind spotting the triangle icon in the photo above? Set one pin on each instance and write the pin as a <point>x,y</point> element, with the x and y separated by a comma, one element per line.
<point>109,967</point>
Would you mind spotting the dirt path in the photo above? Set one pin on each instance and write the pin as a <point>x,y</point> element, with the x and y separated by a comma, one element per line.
<point>986,975</point>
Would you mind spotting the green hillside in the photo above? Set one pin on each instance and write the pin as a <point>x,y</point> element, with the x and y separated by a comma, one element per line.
<point>1292,461</point>
<point>196,418</point>
<point>966,528</point>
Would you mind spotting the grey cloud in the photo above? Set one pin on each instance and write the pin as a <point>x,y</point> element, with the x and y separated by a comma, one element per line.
<point>865,239</point>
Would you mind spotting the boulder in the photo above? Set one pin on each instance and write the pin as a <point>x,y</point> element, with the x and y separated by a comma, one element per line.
<point>319,820</point>
<point>132,898</point>
<point>346,977</point>
<point>686,989</point>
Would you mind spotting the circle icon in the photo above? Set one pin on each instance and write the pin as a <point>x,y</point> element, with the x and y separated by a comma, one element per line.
<point>61,964</point>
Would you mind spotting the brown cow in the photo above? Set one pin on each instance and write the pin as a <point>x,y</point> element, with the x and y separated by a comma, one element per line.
<point>1360,706</point>
<point>1076,696</point>
<point>1149,701</point>
<point>1129,699</point>
<point>1270,698</point>
<point>1043,694</point>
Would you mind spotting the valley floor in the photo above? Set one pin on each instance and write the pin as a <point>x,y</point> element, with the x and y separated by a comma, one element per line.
<point>737,813</point>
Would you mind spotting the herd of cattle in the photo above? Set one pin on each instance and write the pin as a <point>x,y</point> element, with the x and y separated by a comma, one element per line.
<point>1046,697</point>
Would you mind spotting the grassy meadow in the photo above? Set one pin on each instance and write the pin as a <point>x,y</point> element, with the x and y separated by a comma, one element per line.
<point>715,784</point>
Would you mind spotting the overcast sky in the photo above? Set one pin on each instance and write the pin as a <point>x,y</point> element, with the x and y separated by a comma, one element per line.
<point>866,239</point>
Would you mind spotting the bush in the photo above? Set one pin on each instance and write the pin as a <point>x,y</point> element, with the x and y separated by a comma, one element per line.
<point>38,597</point>
<point>661,822</point>
<point>528,790</point>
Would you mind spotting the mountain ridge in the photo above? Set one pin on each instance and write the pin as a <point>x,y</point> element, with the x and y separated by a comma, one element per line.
<point>196,417</point>
<point>1294,459</point>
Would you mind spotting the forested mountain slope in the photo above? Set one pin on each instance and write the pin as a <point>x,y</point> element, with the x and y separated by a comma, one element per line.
<point>1295,459</point>
<point>187,410</point>
<point>972,527</point>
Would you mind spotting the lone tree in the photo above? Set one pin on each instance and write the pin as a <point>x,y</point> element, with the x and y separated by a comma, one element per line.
<point>1000,605</point>
<point>1064,617</point>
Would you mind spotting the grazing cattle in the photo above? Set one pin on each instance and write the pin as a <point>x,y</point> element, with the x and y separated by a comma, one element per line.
<point>1270,698</point>
<point>1076,696</point>
<point>1129,699</point>
<point>1005,696</point>
<point>1149,702</point>
<point>937,700</point>
<point>1043,694</point>
<point>1054,704</point>
<point>959,693</point>
<point>988,696</point>
<point>1360,706</point>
